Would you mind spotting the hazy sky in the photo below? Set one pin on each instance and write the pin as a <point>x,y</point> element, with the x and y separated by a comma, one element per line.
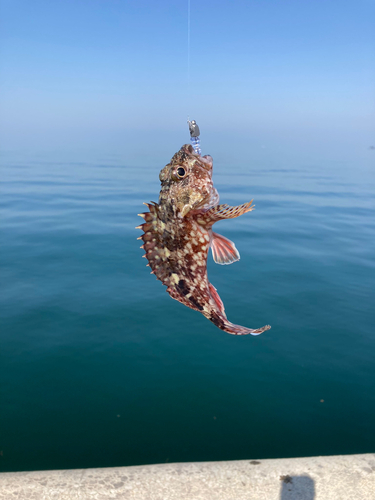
<point>113,73</point>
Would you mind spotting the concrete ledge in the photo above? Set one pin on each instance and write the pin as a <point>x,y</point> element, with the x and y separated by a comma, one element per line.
<point>343,477</point>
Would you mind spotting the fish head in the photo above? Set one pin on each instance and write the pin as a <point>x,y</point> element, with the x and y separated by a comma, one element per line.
<point>186,183</point>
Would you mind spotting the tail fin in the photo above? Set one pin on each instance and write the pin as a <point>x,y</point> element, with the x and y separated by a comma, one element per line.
<point>221,322</point>
<point>242,330</point>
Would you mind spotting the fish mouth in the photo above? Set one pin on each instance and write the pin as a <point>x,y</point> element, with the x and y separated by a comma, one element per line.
<point>206,161</point>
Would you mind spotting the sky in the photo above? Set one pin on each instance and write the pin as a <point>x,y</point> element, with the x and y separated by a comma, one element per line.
<point>113,75</point>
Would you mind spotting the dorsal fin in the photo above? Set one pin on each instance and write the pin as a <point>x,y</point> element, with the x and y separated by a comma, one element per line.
<point>153,244</point>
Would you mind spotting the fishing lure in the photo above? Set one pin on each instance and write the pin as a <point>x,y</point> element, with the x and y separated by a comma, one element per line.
<point>194,136</point>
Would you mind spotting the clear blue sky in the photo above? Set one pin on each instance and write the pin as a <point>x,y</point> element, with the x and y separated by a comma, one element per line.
<point>112,73</point>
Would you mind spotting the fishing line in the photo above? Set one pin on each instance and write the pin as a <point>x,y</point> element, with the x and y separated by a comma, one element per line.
<point>193,127</point>
<point>188,58</point>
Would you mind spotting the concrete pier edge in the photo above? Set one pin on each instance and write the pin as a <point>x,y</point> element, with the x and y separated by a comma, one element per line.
<point>341,477</point>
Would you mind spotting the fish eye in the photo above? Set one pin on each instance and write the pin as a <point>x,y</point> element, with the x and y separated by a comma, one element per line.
<point>181,172</point>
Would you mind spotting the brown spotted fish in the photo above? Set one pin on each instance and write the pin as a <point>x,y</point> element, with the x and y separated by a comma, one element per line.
<point>178,234</point>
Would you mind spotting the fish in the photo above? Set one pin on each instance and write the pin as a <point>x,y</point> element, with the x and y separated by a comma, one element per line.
<point>177,236</point>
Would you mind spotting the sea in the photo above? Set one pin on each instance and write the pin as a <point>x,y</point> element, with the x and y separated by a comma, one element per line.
<point>99,367</point>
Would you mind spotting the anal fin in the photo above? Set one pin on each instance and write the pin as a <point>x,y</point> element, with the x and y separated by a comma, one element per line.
<point>216,298</point>
<point>224,251</point>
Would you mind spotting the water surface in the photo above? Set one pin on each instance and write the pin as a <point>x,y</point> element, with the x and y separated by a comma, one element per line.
<point>100,367</point>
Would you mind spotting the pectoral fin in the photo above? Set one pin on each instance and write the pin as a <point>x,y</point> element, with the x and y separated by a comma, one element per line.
<point>224,251</point>
<point>227,212</point>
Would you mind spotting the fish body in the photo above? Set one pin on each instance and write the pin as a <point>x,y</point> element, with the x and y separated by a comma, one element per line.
<point>177,235</point>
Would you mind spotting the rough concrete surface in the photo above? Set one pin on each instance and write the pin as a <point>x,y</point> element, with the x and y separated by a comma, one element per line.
<point>343,477</point>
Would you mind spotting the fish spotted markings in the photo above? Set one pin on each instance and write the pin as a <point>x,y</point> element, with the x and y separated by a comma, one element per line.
<point>177,235</point>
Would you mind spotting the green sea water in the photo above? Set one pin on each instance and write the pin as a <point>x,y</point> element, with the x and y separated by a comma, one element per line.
<point>100,367</point>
